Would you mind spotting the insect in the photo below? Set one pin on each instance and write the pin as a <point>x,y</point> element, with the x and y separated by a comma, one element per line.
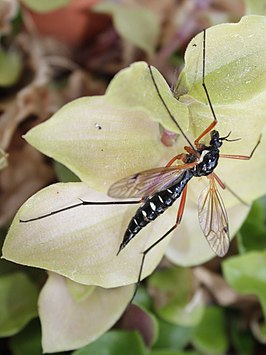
<point>157,189</point>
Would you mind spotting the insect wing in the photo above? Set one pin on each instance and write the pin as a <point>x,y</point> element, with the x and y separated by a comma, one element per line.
<point>146,183</point>
<point>213,219</point>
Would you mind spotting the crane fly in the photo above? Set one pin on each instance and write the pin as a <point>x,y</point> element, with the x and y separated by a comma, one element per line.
<point>157,189</point>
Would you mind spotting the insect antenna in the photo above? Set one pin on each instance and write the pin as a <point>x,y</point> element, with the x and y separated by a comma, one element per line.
<point>225,138</point>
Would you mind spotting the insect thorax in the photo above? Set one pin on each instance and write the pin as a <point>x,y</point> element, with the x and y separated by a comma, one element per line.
<point>209,156</point>
<point>208,163</point>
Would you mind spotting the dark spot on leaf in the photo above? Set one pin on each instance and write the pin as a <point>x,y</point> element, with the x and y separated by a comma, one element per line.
<point>98,126</point>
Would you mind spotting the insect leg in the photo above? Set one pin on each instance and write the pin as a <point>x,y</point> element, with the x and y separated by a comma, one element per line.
<point>224,186</point>
<point>167,109</point>
<point>176,157</point>
<point>178,220</point>
<point>214,122</point>
<point>82,203</point>
<point>242,157</point>
<point>182,156</point>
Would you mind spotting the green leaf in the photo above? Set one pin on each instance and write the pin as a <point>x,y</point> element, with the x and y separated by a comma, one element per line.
<point>235,77</point>
<point>173,352</point>
<point>18,303</point>
<point>245,274</point>
<point>210,336</point>
<point>114,133</point>
<point>115,342</point>
<point>236,81</point>
<point>28,341</point>
<point>243,341</point>
<point>252,235</point>
<point>174,337</point>
<point>225,85</point>
<point>78,291</point>
<point>45,5</point>
<point>82,243</point>
<point>68,324</point>
<point>124,91</point>
<point>255,7</point>
<point>138,25</point>
<point>64,174</point>
<point>142,298</point>
<point>174,304</point>
<point>188,246</point>
<point>103,139</point>
<point>10,68</point>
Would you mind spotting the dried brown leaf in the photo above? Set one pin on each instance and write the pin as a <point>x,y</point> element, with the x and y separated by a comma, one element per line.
<point>219,289</point>
<point>26,173</point>
<point>8,10</point>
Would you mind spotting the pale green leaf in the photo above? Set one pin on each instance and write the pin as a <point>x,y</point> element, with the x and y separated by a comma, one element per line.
<point>102,139</point>
<point>106,138</point>
<point>133,88</point>
<point>78,291</point>
<point>67,324</point>
<point>10,68</point>
<point>138,25</point>
<point>188,246</point>
<point>82,243</point>
<point>235,77</point>
<point>45,5</point>
<point>18,303</point>
<point>236,81</point>
<point>255,7</point>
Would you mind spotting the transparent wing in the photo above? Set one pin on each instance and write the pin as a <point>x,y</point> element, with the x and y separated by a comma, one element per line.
<point>213,219</point>
<point>146,183</point>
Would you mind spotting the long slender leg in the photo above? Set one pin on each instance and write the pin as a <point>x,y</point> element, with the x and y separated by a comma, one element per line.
<point>214,122</point>
<point>167,109</point>
<point>242,157</point>
<point>224,186</point>
<point>182,156</point>
<point>176,157</point>
<point>178,220</point>
<point>82,203</point>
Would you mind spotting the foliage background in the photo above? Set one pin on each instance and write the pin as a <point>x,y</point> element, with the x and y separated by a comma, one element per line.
<point>55,51</point>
